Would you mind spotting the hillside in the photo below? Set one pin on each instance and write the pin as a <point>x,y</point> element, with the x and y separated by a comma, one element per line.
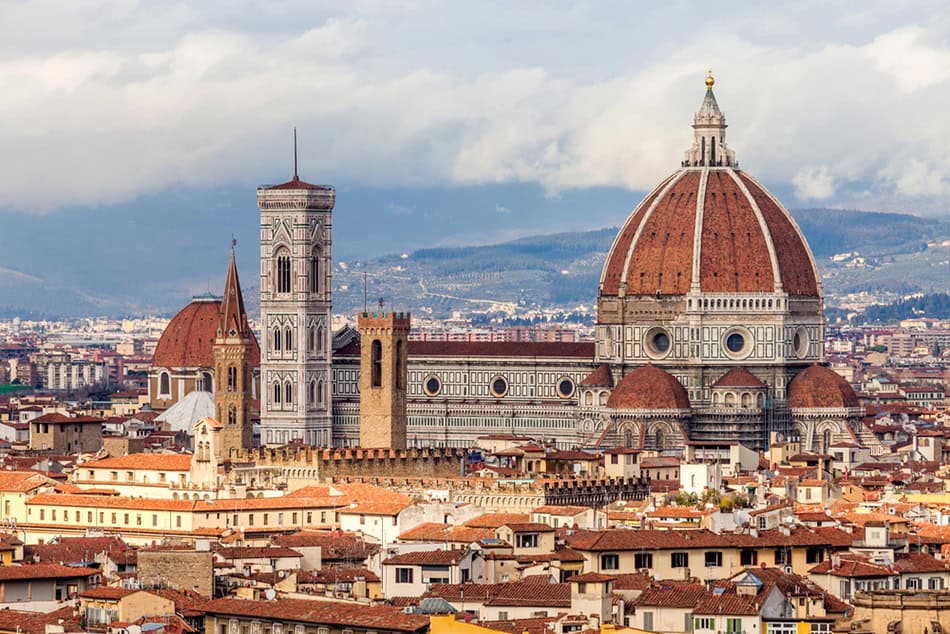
<point>891,253</point>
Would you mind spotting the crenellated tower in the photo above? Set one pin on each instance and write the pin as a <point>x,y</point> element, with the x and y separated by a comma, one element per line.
<point>232,361</point>
<point>384,369</point>
<point>296,310</point>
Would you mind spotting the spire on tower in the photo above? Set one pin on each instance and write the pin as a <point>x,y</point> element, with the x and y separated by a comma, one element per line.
<point>233,316</point>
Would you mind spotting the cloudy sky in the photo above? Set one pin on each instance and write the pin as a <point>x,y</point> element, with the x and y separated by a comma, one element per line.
<point>104,101</point>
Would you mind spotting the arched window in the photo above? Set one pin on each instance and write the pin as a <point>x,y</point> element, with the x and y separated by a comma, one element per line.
<point>314,272</point>
<point>712,151</point>
<point>283,272</point>
<point>826,440</point>
<point>276,339</point>
<point>320,389</point>
<point>702,152</point>
<point>746,400</point>
<point>164,384</point>
<point>288,339</point>
<point>277,393</point>
<point>312,392</point>
<point>288,393</point>
<point>376,362</point>
<point>232,415</point>
<point>627,438</point>
<point>400,352</point>
<point>205,385</point>
<point>311,338</point>
<point>320,336</point>
<point>658,439</point>
<point>232,379</point>
<point>730,400</point>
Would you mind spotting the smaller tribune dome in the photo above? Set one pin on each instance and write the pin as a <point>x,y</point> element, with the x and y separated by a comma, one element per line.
<point>738,377</point>
<point>600,377</point>
<point>819,387</point>
<point>649,387</point>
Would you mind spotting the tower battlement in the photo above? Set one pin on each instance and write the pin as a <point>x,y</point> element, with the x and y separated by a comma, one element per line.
<point>396,321</point>
<point>331,463</point>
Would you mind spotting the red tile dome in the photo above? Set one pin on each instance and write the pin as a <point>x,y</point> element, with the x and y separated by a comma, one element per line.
<point>819,387</point>
<point>739,377</point>
<point>709,227</point>
<point>649,387</point>
<point>188,340</point>
<point>737,238</point>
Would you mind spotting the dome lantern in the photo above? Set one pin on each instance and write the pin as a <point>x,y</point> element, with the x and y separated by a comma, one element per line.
<point>709,134</point>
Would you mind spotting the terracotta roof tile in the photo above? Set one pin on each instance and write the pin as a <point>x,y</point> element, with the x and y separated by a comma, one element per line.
<point>436,557</point>
<point>188,339</point>
<point>820,387</point>
<point>148,461</point>
<point>600,377</point>
<point>671,594</point>
<point>44,571</point>
<point>738,377</point>
<point>649,387</point>
<point>320,612</point>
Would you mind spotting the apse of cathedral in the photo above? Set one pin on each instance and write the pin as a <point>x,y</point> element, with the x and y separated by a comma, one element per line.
<point>709,330</point>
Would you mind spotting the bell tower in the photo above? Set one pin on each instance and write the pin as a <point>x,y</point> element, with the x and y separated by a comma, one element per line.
<point>384,370</point>
<point>232,362</point>
<point>296,311</point>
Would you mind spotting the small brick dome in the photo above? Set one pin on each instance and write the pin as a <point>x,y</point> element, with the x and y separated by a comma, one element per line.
<point>649,387</point>
<point>188,340</point>
<point>819,387</point>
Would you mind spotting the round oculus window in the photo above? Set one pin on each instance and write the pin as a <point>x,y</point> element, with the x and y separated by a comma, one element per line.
<point>661,341</point>
<point>499,386</point>
<point>658,342</point>
<point>565,388</point>
<point>432,386</point>
<point>735,343</point>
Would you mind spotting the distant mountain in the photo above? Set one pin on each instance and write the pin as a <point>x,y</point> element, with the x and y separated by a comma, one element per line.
<point>831,231</point>
<point>891,252</point>
<point>150,255</point>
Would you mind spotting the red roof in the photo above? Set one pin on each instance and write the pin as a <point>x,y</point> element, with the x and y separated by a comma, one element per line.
<point>820,387</point>
<point>600,377</point>
<point>296,183</point>
<point>738,377</point>
<point>623,539</point>
<point>655,248</point>
<point>504,349</point>
<point>436,557</point>
<point>44,571</point>
<point>188,339</point>
<point>649,387</point>
<point>320,612</point>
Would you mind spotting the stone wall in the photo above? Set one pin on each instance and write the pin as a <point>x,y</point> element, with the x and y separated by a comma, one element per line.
<point>179,569</point>
<point>309,464</point>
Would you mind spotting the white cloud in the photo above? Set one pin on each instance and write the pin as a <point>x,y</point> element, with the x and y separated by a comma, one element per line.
<point>134,98</point>
<point>814,183</point>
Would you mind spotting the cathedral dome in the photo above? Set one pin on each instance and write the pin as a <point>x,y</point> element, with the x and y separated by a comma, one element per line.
<point>649,387</point>
<point>709,227</point>
<point>819,387</point>
<point>188,339</point>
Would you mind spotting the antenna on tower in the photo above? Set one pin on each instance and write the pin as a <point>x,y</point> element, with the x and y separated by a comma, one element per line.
<point>295,152</point>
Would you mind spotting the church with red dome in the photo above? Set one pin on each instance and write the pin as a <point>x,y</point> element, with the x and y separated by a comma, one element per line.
<point>710,329</point>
